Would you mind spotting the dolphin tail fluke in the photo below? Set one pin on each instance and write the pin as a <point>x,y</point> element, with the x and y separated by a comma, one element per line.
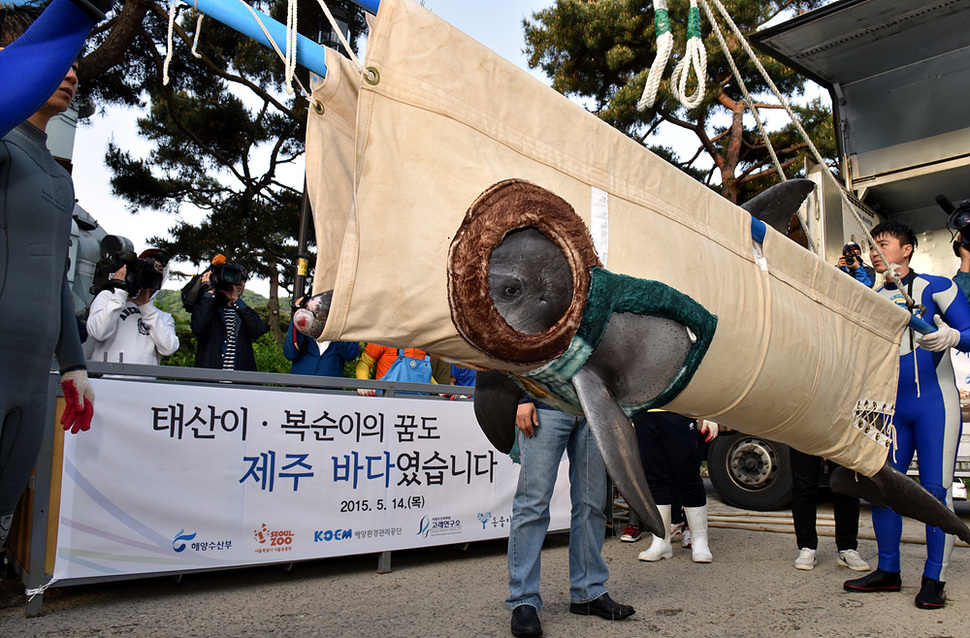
<point>617,442</point>
<point>496,401</point>
<point>776,205</point>
<point>891,488</point>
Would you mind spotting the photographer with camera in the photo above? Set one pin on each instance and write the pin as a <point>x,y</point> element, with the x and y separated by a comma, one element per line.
<point>225,326</point>
<point>851,263</point>
<point>123,321</point>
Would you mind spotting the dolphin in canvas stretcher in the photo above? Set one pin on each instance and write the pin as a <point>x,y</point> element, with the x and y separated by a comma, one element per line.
<point>653,291</point>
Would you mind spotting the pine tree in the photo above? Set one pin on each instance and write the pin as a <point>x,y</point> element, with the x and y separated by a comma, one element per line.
<point>599,51</point>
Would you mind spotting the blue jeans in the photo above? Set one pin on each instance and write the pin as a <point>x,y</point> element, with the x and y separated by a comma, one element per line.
<point>541,454</point>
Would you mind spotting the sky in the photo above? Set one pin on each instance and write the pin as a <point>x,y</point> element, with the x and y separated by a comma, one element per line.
<point>495,23</point>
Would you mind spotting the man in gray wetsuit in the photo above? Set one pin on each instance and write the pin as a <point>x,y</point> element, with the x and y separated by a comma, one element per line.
<point>36,306</point>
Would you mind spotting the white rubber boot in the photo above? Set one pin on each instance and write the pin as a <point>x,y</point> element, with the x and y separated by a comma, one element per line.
<point>697,522</point>
<point>660,547</point>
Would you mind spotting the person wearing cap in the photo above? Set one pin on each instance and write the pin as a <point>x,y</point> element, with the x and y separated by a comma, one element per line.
<point>225,326</point>
<point>127,327</point>
<point>851,263</point>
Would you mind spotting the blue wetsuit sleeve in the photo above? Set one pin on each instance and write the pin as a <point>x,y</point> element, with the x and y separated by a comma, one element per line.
<point>69,354</point>
<point>953,306</point>
<point>34,65</point>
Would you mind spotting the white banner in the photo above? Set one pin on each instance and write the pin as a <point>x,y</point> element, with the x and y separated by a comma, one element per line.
<point>175,478</point>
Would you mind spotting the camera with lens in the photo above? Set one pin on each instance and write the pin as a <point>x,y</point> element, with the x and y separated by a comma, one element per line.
<point>140,273</point>
<point>226,275</point>
<point>849,254</point>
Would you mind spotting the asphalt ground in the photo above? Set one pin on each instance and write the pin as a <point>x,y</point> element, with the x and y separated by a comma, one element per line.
<point>750,590</point>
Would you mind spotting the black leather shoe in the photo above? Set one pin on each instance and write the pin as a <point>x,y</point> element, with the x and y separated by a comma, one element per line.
<point>876,581</point>
<point>931,594</point>
<point>525,622</point>
<point>604,607</point>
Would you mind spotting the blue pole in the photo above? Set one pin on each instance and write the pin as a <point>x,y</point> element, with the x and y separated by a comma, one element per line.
<point>233,14</point>
<point>921,326</point>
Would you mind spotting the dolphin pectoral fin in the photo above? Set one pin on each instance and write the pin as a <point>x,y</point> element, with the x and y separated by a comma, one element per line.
<point>617,442</point>
<point>776,205</point>
<point>496,401</point>
<point>891,488</point>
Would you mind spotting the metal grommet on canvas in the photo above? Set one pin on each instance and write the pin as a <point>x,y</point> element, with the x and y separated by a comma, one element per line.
<point>372,76</point>
<point>318,107</point>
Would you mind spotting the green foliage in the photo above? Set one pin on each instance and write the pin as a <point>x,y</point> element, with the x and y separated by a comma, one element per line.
<point>269,355</point>
<point>600,51</point>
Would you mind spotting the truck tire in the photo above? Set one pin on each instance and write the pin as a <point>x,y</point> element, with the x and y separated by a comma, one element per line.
<point>750,472</point>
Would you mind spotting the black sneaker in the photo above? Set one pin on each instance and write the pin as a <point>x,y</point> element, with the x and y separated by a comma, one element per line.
<point>876,581</point>
<point>931,594</point>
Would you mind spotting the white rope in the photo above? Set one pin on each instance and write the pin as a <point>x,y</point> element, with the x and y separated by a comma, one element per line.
<point>665,44</point>
<point>340,36</point>
<point>815,152</point>
<point>695,57</point>
<point>290,63</point>
<point>198,32</point>
<point>168,51</point>
<point>289,79</point>
<point>32,592</point>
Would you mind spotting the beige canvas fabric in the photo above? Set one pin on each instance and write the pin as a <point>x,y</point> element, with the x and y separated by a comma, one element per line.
<point>802,353</point>
<point>331,130</point>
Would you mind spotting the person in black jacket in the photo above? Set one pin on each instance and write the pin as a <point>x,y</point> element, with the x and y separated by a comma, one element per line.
<point>225,326</point>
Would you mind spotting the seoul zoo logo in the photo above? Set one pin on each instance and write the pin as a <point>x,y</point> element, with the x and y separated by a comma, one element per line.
<point>273,539</point>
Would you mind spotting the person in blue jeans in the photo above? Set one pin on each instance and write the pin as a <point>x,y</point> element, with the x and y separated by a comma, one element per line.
<point>544,434</point>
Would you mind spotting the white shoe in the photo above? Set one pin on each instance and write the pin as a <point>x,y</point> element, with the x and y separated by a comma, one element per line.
<point>851,559</point>
<point>959,490</point>
<point>660,547</point>
<point>685,542</point>
<point>806,559</point>
<point>697,524</point>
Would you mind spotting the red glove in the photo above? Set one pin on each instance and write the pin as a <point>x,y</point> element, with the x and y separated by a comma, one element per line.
<point>80,401</point>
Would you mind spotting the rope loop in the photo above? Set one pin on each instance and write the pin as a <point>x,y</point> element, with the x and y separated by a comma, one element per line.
<point>695,57</point>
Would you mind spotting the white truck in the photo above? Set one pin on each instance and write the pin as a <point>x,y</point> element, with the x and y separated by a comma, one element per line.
<point>898,72</point>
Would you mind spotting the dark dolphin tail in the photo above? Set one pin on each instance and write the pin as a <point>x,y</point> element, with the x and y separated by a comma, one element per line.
<point>776,205</point>
<point>617,442</point>
<point>891,488</point>
<point>496,402</point>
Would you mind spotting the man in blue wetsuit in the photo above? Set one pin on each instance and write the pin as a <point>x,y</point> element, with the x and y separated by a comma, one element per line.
<point>36,306</point>
<point>927,417</point>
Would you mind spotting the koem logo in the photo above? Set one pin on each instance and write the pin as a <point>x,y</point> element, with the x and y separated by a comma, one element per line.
<point>484,518</point>
<point>425,526</point>
<point>333,535</point>
<point>181,536</point>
